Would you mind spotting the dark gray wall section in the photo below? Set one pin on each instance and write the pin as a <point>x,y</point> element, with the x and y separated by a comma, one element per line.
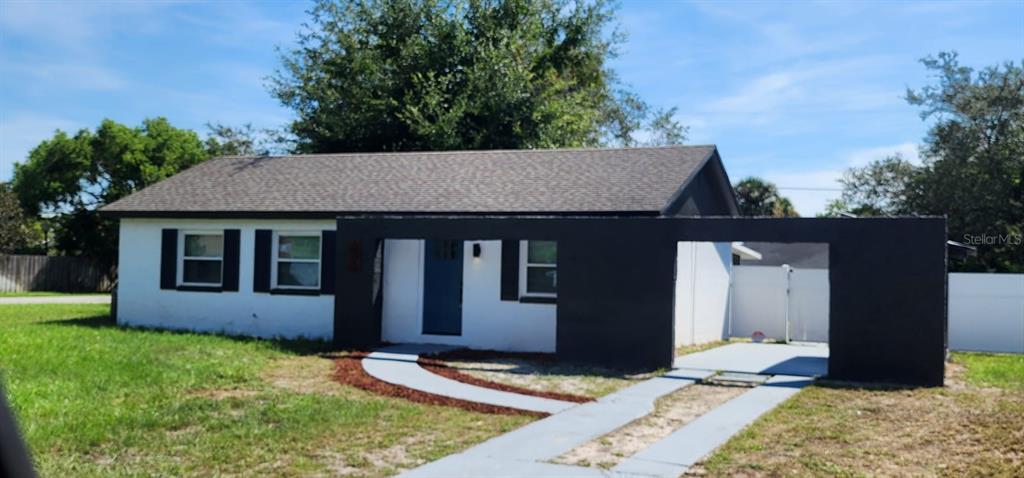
<point>615,301</point>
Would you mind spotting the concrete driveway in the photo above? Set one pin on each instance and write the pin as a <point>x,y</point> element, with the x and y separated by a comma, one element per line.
<point>804,360</point>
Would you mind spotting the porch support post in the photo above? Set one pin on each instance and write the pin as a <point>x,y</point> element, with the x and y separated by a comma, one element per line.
<point>358,291</point>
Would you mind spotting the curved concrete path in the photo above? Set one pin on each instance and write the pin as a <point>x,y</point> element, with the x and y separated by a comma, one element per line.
<point>397,364</point>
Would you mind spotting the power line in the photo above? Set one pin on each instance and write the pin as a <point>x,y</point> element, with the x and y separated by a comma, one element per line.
<point>795,188</point>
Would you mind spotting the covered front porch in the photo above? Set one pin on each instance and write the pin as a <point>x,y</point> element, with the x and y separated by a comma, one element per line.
<point>616,290</point>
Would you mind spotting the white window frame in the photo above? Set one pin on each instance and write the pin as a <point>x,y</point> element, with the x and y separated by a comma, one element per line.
<point>524,264</point>
<point>274,259</point>
<point>182,258</point>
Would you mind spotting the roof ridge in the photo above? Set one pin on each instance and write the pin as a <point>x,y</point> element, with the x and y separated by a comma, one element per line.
<point>469,151</point>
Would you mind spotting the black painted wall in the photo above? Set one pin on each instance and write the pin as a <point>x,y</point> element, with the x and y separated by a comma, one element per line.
<point>615,301</point>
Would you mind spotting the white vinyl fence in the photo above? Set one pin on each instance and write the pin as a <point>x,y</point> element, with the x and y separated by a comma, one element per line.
<point>986,311</point>
<point>780,302</point>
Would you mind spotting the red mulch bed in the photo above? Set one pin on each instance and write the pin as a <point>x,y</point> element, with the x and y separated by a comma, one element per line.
<point>349,370</point>
<point>436,364</point>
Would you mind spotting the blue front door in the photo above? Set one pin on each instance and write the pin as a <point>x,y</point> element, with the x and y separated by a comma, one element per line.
<point>442,288</point>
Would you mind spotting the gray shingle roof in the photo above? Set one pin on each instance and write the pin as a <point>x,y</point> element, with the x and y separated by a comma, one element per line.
<point>525,181</point>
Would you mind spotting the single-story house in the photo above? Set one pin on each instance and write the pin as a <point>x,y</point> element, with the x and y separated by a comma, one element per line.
<point>592,254</point>
<point>246,245</point>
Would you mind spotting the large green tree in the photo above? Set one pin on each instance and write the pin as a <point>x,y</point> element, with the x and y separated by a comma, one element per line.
<point>19,232</point>
<point>876,189</point>
<point>972,167</point>
<point>71,176</point>
<point>392,75</point>
<point>760,198</point>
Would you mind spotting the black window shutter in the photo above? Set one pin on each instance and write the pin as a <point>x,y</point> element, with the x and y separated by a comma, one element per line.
<point>509,270</point>
<point>261,266</point>
<point>169,259</point>
<point>232,238</point>
<point>328,247</point>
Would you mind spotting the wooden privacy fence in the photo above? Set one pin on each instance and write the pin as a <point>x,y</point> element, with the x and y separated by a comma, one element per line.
<point>52,273</point>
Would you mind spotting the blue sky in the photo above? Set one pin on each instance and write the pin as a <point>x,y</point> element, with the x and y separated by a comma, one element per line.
<point>792,91</point>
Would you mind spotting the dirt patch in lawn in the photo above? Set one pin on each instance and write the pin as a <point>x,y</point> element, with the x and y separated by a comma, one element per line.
<point>305,374</point>
<point>349,370</point>
<point>670,413</point>
<point>540,372</point>
<point>443,369</point>
<point>853,429</point>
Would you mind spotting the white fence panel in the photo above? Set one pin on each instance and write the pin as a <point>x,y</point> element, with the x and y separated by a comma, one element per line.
<point>986,312</point>
<point>808,305</point>
<point>759,301</point>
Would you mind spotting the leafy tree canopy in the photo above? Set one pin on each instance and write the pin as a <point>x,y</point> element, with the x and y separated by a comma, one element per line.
<point>877,189</point>
<point>70,176</point>
<point>19,233</point>
<point>393,75</point>
<point>972,167</point>
<point>757,197</point>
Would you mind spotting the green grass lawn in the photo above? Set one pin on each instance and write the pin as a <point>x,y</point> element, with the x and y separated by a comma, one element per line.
<point>96,400</point>
<point>993,370</point>
<point>974,426</point>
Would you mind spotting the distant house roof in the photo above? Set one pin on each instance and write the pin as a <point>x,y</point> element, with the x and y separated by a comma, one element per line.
<point>628,180</point>
<point>806,255</point>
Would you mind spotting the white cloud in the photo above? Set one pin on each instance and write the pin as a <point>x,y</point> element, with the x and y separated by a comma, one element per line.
<point>76,26</point>
<point>789,98</point>
<point>861,157</point>
<point>81,76</point>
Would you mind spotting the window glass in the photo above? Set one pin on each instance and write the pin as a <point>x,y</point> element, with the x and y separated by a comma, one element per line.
<point>203,259</point>
<point>541,252</point>
<point>298,247</point>
<point>298,274</point>
<point>204,245</point>
<point>297,261</point>
<point>542,280</point>
<point>201,272</point>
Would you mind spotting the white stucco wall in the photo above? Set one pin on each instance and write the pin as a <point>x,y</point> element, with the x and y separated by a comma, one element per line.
<point>488,323</point>
<point>141,302</point>
<point>702,291</point>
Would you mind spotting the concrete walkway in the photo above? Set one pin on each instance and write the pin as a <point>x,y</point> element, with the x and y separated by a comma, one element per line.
<point>528,451</point>
<point>397,364</point>
<point>58,299</point>
<point>805,360</point>
<point>676,453</point>
<point>523,452</point>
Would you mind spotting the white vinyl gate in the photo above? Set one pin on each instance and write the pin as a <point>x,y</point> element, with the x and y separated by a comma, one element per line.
<point>986,311</point>
<point>781,302</point>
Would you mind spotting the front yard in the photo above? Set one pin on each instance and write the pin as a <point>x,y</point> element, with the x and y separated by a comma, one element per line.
<point>972,427</point>
<point>96,400</point>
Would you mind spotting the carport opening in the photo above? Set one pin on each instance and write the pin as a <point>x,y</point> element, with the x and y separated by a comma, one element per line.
<point>758,292</point>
